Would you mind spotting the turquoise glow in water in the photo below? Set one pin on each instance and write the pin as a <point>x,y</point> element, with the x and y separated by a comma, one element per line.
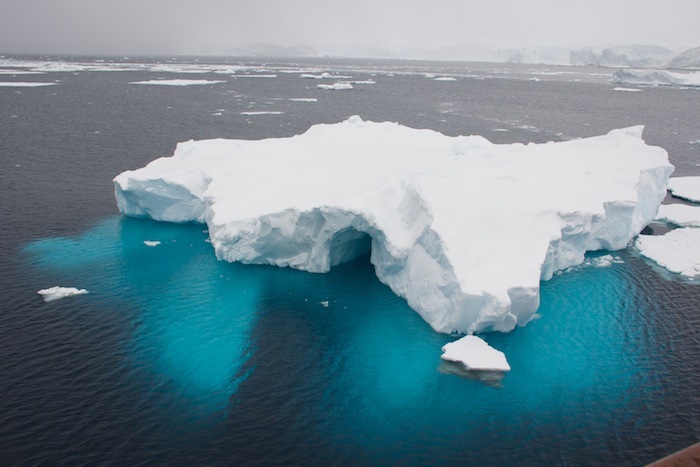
<point>340,359</point>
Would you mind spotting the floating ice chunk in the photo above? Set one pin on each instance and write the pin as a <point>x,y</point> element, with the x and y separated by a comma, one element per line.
<point>681,215</point>
<point>263,112</point>
<point>255,76</point>
<point>627,89</point>
<point>303,99</point>
<point>151,242</point>
<point>57,292</point>
<point>177,82</point>
<point>685,188</point>
<point>324,75</point>
<point>463,229</point>
<point>445,78</point>
<point>335,87</point>
<point>475,354</point>
<point>23,84</point>
<point>678,250</point>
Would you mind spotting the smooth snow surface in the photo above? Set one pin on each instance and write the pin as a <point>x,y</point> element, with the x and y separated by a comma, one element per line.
<point>463,229</point>
<point>177,82</point>
<point>678,250</point>
<point>685,187</point>
<point>679,214</point>
<point>57,292</point>
<point>475,354</point>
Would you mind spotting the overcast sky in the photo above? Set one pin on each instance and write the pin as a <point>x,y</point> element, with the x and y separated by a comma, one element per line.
<point>180,26</point>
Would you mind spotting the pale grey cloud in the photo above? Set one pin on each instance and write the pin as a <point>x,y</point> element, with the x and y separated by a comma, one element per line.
<point>175,26</point>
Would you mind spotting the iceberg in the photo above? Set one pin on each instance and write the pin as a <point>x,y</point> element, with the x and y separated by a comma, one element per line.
<point>678,250</point>
<point>461,228</point>
<point>475,354</point>
<point>687,188</point>
<point>656,78</point>
<point>57,292</point>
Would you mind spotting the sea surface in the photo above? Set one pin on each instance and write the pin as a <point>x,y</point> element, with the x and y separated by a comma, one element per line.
<point>174,357</point>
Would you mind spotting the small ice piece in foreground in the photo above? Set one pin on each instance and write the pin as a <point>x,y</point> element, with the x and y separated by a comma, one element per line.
<point>445,78</point>
<point>324,303</point>
<point>685,188</point>
<point>151,242</point>
<point>335,87</point>
<point>627,90</point>
<point>681,215</point>
<point>475,354</point>
<point>57,292</point>
<point>678,250</point>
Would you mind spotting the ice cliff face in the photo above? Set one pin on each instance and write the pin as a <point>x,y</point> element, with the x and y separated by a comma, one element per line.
<point>461,228</point>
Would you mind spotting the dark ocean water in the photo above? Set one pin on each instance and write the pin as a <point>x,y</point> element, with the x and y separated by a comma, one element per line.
<point>174,357</point>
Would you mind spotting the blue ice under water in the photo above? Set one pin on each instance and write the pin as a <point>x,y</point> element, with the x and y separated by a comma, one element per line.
<point>338,356</point>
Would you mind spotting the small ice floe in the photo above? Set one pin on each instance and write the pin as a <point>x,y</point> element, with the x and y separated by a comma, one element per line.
<point>475,354</point>
<point>535,79</point>
<point>366,81</point>
<point>678,250</point>
<point>151,242</point>
<point>445,78</point>
<point>177,82</point>
<point>57,292</point>
<point>694,142</point>
<point>627,89</point>
<point>303,99</point>
<point>324,75</point>
<point>324,303</point>
<point>685,188</point>
<point>681,215</point>
<point>335,87</point>
<point>254,76</point>
<point>23,84</point>
<point>263,112</point>
<point>604,261</point>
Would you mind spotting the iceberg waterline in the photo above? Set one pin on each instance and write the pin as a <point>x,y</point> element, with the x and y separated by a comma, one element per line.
<point>461,228</point>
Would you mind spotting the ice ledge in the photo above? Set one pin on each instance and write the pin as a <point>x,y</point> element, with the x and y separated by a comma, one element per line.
<point>463,229</point>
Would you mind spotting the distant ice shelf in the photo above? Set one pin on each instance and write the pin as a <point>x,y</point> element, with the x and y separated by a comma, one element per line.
<point>461,228</point>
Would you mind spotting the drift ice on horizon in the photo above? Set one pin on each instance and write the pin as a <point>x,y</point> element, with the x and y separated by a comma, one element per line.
<point>463,229</point>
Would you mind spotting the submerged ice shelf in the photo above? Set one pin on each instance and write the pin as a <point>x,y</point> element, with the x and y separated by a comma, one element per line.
<point>461,228</point>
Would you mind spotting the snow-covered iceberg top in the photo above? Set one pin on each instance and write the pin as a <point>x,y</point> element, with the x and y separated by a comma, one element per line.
<point>475,354</point>
<point>57,292</point>
<point>463,229</point>
<point>656,78</point>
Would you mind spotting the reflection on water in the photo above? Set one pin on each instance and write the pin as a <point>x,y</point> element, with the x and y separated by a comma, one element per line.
<point>338,360</point>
